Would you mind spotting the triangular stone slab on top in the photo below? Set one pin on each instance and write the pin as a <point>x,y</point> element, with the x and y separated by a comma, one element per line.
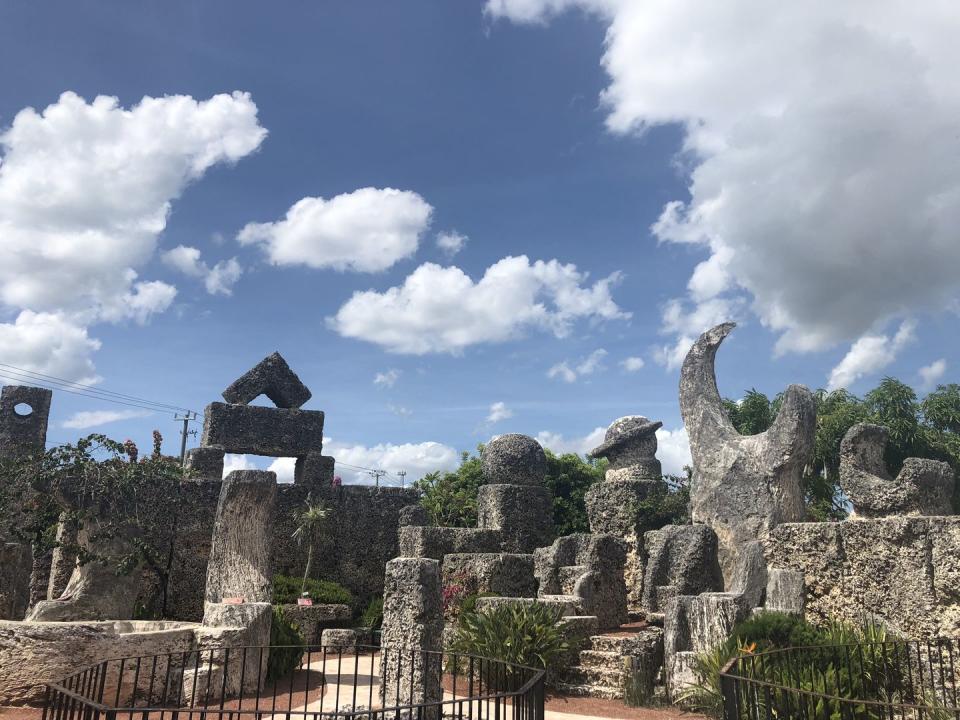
<point>271,377</point>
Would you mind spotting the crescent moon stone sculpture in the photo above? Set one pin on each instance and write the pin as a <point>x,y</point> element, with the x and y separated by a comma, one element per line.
<point>743,485</point>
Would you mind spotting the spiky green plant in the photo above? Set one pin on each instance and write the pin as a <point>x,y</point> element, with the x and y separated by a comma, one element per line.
<point>309,522</point>
<point>516,634</point>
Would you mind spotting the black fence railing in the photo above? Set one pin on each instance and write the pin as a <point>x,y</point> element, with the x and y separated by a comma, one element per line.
<point>861,681</point>
<point>325,683</point>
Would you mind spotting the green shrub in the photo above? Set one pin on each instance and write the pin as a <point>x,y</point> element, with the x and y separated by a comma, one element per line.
<point>286,590</point>
<point>372,617</point>
<point>287,644</point>
<point>518,634</point>
<point>770,629</point>
<point>872,677</point>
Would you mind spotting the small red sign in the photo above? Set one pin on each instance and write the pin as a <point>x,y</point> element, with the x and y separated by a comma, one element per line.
<point>234,600</point>
<point>307,602</point>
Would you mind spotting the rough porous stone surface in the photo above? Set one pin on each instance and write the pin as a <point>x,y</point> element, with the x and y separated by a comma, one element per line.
<point>508,574</point>
<point>697,623</point>
<point>514,460</point>
<point>257,430</point>
<point>785,591</point>
<point>568,605</point>
<point>314,620</point>
<point>35,653</point>
<point>239,564</point>
<point>742,485</point>
<point>357,540</point>
<point>613,506</point>
<point>314,469</point>
<point>271,377</point>
<point>252,620</point>
<point>95,590</point>
<point>16,560</point>
<point>630,446</point>
<point>923,487</point>
<point>339,639</point>
<point>412,629</point>
<point>682,558</point>
<point>589,567</point>
<point>523,515</point>
<point>27,433</point>
<point>750,574</point>
<point>905,571</point>
<point>205,463</point>
<point>435,542</point>
<point>413,515</point>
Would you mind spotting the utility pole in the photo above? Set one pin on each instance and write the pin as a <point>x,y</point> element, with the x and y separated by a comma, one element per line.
<point>402,474</point>
<point>186,419</point>
<point>377,474</point>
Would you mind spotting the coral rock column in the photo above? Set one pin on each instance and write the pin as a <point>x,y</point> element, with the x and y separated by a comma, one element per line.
<point>613,506</point>
<point>514,499</point>
<point>411,663</point>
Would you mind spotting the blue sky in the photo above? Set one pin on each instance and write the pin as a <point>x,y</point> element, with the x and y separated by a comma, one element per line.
<point>559,131</point>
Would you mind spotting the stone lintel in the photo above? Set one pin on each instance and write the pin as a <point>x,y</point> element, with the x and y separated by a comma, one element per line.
<point>256,430</point>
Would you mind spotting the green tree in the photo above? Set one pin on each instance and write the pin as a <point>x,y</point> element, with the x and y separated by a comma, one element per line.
<point>568,478</point>
<point>450,498</point>
<point>929,429</point>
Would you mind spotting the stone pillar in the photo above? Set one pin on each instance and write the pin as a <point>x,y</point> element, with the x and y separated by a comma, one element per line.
<point>24,412</point>
<point>239,576</point>
<point>239,564</point>
<point>514,501</point>
<point>523,514</point>
<point>613,507</point>
<point>412,633</point>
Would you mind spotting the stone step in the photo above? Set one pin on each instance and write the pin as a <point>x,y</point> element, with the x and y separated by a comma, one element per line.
<point>597,691</point>
<point>568,576</point>
<point>568,604</point>
<point>599,676</point>
<point>625,643</point>
<point>601,659</point>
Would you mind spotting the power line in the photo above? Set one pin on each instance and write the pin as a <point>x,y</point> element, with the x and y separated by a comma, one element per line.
<point>50,382</point>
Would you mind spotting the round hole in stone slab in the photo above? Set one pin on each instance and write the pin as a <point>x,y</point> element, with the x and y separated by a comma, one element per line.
<point>23,410</point>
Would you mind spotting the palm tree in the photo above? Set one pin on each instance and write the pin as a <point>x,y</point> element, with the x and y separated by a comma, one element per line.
<point>309,522</point>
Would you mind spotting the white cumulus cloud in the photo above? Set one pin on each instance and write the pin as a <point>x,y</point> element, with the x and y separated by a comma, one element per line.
<point>218,280</point>
<point>819,143</point>
<point>95,418</point>
<point>451,242</point>
<point>931,374</point>
<point>561,445</point>
<point>586,366</point>
<point>86,189</point>
<point>51,344</point>
<point>673,450</point>
<point>499,411</point>
<point>632,364</point>
<point>367,230</point>
<point>417,459</point>
<point>869,354</point>
<point>441,309</point>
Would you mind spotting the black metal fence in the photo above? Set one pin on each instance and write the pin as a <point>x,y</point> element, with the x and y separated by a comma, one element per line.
<point>325,684</point>
<point>861,681</point>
